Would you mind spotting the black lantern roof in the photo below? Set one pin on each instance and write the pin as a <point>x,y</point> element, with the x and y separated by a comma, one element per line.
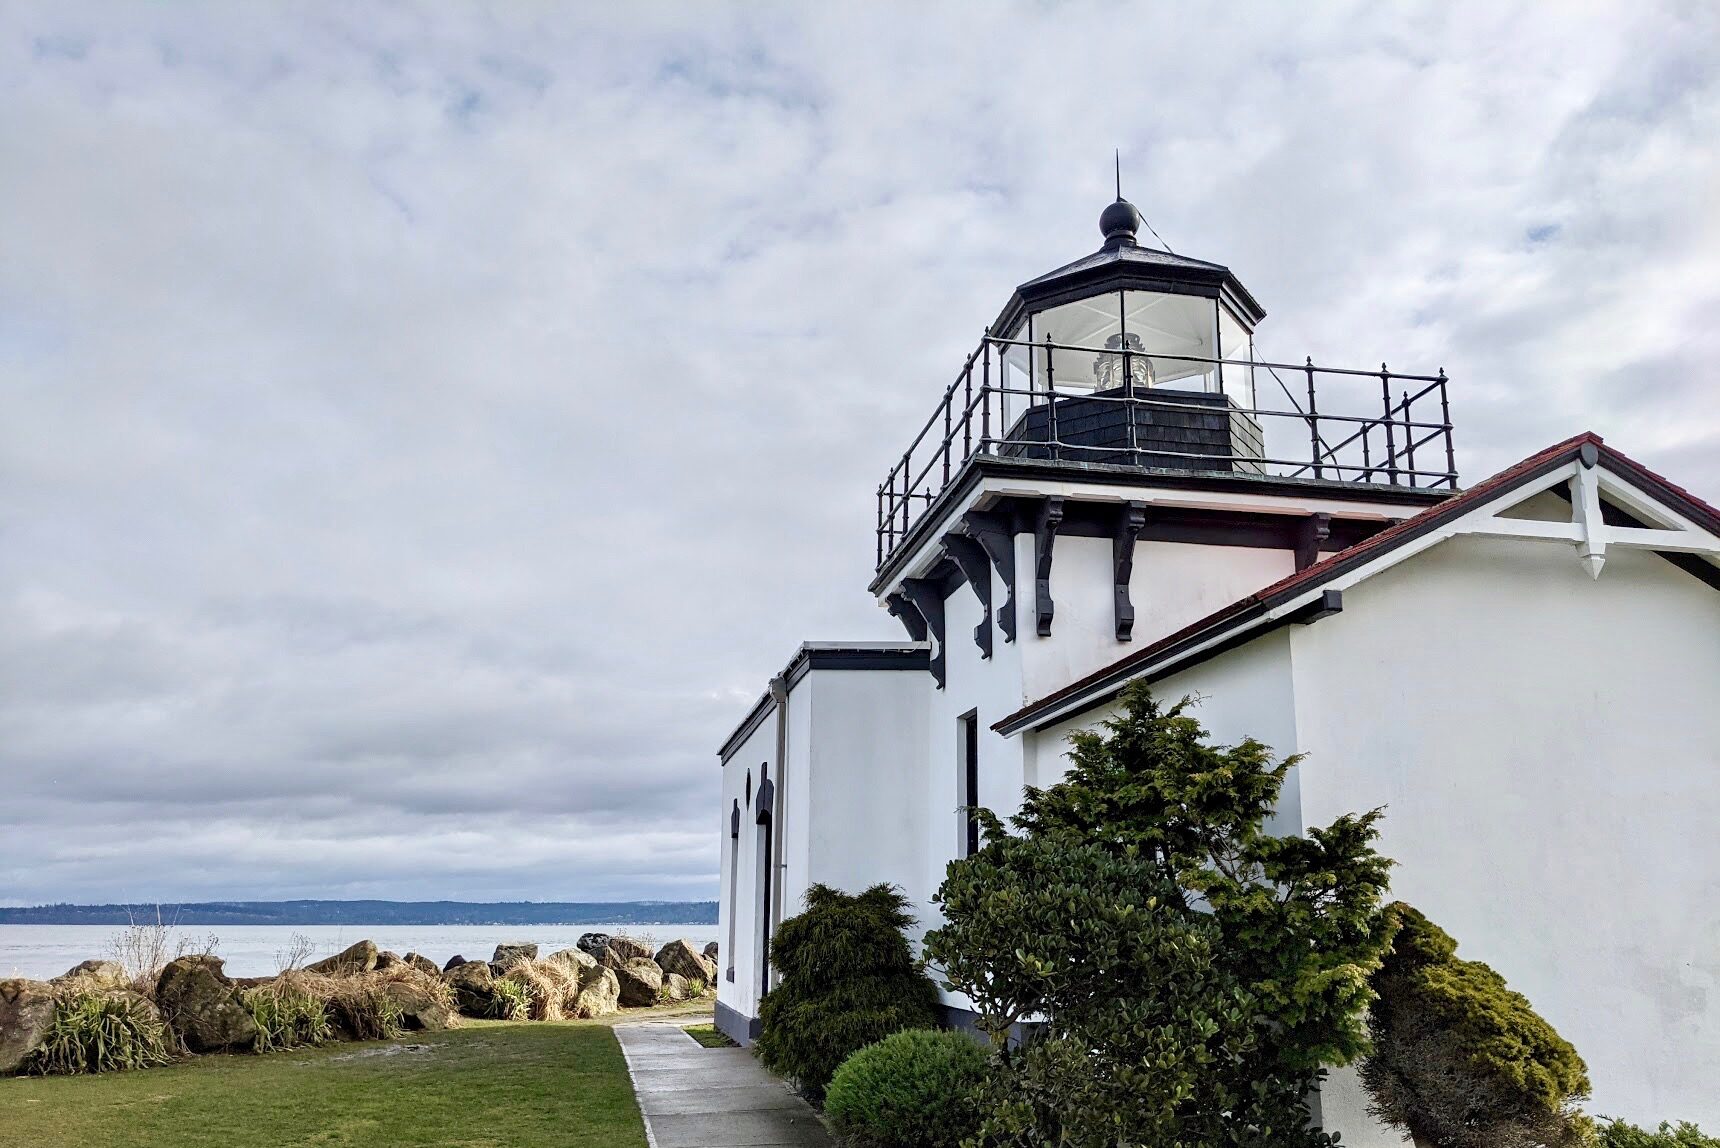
<point>1123,264</point>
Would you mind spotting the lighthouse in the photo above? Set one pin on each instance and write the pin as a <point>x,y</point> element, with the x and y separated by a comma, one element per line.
<point>1116,485</point>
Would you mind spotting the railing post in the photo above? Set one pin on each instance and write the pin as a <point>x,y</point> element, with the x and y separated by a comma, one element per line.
<point>967,408</point>
<point>1409,439</point>
<point>879,560</point>
<point>985,399</point>
<point>949,433</point>
<point>1051,401</point>
<point>1313,420</point>
<point>1367,456</point>
<point>1445,421</point>
<point>907,482</point>
<point>1386,404</point>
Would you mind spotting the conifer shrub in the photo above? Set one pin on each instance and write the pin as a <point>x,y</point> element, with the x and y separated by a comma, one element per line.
<point>848,979</point>
<point>1620,1134</point>
<point>101,1032</point>
<point>1187,974</point>
<point>1460,1060</point>
<point>913,1089</point>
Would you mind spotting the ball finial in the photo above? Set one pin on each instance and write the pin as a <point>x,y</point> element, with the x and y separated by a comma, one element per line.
<point>1119,222</point>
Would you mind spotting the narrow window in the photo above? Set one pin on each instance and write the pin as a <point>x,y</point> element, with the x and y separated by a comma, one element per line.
<point>734,880</point>
<point>969,742</point>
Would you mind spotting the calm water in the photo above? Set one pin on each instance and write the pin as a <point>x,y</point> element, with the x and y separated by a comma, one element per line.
<point>42,951</point>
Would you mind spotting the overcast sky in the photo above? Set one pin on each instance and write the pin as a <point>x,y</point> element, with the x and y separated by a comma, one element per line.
<point>424,429</point>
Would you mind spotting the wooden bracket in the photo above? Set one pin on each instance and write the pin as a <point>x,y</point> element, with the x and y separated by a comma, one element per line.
<point>970,558</point>
<point>908,614</point>
<point>927,595</point>
<point>1310,532</point>
<point>1131,517</point>
<point>994,533</point>
<point>1045,525</point>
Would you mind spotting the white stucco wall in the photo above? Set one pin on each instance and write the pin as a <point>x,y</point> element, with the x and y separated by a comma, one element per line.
<point>1171,585</point>
<point>1547,748</point>
<point>868,762</point>
<point>742,954</point>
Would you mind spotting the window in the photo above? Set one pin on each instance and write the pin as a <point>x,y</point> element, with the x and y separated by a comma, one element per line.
<point>968,743</point>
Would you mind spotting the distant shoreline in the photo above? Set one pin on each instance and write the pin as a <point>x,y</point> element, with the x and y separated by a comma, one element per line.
<point>497,913</point>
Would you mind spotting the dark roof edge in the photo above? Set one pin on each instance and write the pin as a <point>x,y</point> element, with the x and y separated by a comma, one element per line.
<point>815,656</point>
<point>988,465</point>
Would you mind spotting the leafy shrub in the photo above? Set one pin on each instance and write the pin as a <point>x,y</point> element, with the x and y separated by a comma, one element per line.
<point>912,1089</point>
<point>849,980</point>
<point>1619,1134</point>
<point>509,1000</point>
<point>288,1015</point>
<point>1193,972</point>
<point>101,1032</point>
<point>1459,1059</point>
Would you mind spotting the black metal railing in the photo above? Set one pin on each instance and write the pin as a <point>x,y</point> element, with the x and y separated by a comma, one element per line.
<point>983,412</point>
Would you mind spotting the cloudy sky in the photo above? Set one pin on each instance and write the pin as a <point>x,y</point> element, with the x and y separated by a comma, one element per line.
<point>424,428</point>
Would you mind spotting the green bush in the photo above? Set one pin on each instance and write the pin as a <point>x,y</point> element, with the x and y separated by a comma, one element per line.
<point>287,1017</point>
<point>101,1032</point>
<point>849,980</point>
<point>509,1000</point>
<point>1192,972</point>
<point>1459,1059</point>
<point>913,1089</point>
<point>1619,1134</point>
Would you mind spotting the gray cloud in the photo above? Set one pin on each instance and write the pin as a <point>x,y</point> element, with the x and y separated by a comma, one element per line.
<point>426,427</point>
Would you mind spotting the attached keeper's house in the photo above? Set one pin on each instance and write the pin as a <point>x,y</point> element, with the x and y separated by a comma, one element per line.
<point>1525,672</point>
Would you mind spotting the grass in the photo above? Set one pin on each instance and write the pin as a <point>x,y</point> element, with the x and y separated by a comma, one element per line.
<point>491,1084</point>
<point>707,1035</point>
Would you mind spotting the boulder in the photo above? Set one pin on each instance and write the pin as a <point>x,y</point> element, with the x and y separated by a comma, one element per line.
<point>629,947</point>
<point>203,1006</point>
<point>93,976</point>
<point>599,992</point>
<point>26,1010</point>
<point>681,957</point>
<point>710,953</point>
<point>423,964</point>
<point>471,984</point>
<point>252,982</point>
<point>640,979</point>
<point>610,959</point>
<point>387,960</point>
<point>575,959</point>
<point>359,958</point>
<point>592,944</point>
<point>454,962</point>
<point>677,987</point>
<point>511,953</point>
<point>420,996</point>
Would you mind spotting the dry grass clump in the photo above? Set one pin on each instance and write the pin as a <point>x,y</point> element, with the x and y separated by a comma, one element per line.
<point>361,1004</point>
<point>553,986</point>
<point>289,1013</point>
<point>145,947</point>
<point>101,1032</point>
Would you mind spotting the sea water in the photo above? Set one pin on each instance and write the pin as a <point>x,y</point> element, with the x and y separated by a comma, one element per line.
<point>42,951</point>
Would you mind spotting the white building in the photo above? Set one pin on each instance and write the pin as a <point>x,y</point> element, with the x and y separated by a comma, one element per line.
<point>1526,673</point>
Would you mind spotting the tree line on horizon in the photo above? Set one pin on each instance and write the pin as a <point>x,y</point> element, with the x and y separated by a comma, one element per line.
<point>371,912</point>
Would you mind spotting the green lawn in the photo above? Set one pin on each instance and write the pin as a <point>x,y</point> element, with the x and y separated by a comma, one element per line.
<point>486,1085</point>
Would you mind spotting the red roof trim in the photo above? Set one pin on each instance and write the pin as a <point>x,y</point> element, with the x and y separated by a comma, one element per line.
<point>1233,615</point>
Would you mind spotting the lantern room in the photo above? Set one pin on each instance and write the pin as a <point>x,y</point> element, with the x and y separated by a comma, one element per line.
<point>1129,317</point>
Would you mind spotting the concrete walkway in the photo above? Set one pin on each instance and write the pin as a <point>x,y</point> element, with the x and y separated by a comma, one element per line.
<point>697,1097</point>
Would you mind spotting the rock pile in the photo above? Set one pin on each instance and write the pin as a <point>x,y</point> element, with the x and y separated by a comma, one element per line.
<point>207,1011</point>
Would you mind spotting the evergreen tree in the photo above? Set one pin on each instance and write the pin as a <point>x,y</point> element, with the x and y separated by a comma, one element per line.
<point>1192,972</point>
<point>848,979</point>
<point>1461,1061</point>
